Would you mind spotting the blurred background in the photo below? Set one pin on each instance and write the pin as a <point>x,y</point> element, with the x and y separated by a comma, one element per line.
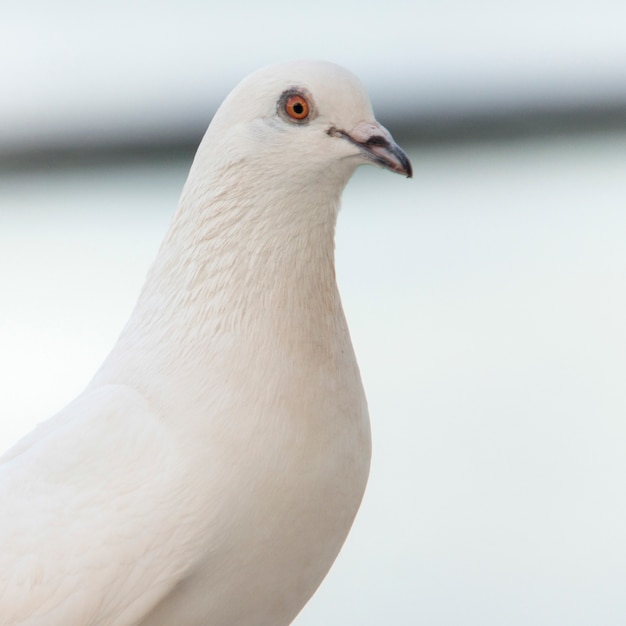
<point>486,297</point>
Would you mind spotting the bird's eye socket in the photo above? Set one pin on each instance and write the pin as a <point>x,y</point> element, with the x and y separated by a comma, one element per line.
<point>297,107</point>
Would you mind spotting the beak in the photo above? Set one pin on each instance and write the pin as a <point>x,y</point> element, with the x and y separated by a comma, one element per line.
<point>377,145</point>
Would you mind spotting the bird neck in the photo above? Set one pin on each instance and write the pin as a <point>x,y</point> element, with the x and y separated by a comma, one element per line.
<point>242,277</point>
<point>239,259</point>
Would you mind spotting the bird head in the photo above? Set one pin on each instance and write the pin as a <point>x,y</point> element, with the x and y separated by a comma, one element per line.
<point>309,120</point>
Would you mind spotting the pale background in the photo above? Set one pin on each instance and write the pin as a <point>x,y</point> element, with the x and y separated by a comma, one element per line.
<point>486,297</point>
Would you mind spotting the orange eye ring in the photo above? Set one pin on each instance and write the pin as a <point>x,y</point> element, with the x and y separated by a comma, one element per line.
<point>297,107</point>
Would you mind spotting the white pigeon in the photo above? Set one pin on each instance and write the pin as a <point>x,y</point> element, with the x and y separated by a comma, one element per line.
<point>211,470</point>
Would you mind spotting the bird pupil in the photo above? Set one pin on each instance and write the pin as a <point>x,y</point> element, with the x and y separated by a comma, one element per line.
<point>298,108</point>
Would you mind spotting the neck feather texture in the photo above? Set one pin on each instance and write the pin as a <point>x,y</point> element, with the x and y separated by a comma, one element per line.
<point>243,257</point>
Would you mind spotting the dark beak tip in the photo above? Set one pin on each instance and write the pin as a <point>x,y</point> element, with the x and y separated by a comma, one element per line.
<point>408,169</point>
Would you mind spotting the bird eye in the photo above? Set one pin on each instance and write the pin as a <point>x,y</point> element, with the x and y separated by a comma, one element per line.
<point>297,107</point>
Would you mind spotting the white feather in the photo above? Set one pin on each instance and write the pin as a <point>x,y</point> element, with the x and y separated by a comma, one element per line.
<point>211,470</point>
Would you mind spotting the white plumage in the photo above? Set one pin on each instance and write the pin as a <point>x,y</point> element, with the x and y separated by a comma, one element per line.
<point>211,470</point>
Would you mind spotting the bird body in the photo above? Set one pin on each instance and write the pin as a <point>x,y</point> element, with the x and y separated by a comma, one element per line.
<point>211,470</point>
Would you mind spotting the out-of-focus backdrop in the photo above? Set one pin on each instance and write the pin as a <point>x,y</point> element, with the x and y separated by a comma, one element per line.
<point>486,297</point>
